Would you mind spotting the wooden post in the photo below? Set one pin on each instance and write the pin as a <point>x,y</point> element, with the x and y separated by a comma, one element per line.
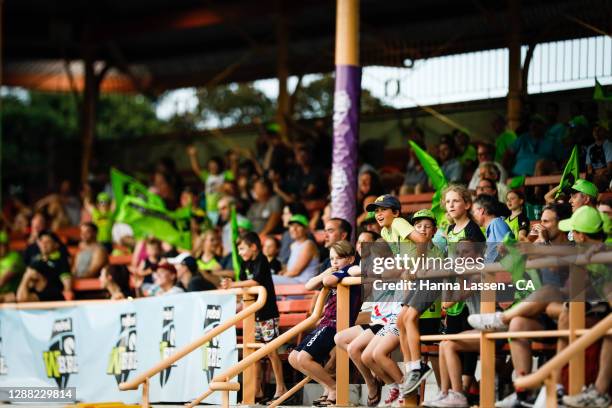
<point>487,350</point>
<point>144,402</point>
<point>282,73</point>
<point>88,118</point>
<point>347,98</point>
<point>249,379</point>
<point>551,392</point>
<point>342,359</point>
<point>576,322</point>
<point>514,64</point>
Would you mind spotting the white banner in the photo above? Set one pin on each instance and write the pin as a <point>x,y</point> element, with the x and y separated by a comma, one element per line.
<point>95,347</point>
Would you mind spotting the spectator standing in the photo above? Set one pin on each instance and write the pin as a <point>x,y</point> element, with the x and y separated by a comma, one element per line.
<point>11,270</point>
<point>102,216</point>
<point>92,256</point>
<point>485,154</point>
<point>265,212</point>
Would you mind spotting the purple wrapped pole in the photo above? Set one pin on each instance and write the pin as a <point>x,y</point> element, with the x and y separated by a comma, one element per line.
<point>346,139</point>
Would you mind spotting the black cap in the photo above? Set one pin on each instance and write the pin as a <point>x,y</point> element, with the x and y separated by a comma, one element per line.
<point>385,201</point>
<point>191,264</point>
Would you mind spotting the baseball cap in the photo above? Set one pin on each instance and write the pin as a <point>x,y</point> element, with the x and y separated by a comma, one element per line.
<point>245,224</point>
<point>385,201</point>
<point>299,219</point>
<point>585,187</point>
<point>103,197</point>
<point>167,266</point>
<point>186,259</point>
<point>424,214</point>
<point>585,219</point>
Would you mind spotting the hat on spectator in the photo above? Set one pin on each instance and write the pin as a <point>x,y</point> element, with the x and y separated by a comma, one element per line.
<point>167,266</point>
<point>585,187</point>
<point>605,124</point>
<point>103,198</point>
<point>585,219</point>
<point>385,201</point>
<point>3,237</point>
<point>245,224</point>
<point>186,259</point>
<point>424,214</point>
<point>299,219</point>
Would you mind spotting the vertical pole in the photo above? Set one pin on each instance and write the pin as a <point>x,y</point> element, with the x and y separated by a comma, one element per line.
<point>487,350</point>
<point>1,83</point>
<point>514,64</point>
<point>346,111</point>
<point>249,380</point>
<point>282,72</point>
<point>342,360</point>
<point>88,114</point>
<point>576,322</point>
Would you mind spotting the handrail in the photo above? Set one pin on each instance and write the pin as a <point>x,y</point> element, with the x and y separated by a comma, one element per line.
<point>260,291</point>
<point>536,379</point>
<point>274,344</point>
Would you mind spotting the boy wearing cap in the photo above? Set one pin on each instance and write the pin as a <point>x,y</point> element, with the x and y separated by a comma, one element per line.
<point>420,314</point>
<point>255,271</point>
<point>189,278</point>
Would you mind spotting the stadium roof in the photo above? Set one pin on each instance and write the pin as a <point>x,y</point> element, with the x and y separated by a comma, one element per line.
<point>155,45</point>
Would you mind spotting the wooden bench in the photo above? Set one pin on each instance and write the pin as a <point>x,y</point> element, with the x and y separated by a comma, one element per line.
<point>411,203</point>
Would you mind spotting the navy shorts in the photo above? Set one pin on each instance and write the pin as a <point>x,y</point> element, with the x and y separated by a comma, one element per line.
<point>319,343</point>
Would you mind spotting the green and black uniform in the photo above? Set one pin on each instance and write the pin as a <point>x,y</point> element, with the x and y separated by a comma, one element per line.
<point>518,223</point>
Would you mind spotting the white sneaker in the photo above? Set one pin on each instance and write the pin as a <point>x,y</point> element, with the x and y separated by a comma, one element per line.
<point>509,402</point>
<point>441,395</point>
<point>452,400</point>
<point>394,395</point>
<point>487,322</point>
<point>588,398</point>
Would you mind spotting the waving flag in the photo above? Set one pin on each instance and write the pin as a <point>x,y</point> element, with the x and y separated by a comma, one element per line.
<point>437,178</point>
<point>571,172</point>
<point>235,258</point>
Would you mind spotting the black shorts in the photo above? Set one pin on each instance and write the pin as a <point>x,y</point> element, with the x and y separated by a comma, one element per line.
<point>374,327</point>
<point>421,300</point>
<point>429,326</point>
<point>319,343</point>
<point>459,323</point>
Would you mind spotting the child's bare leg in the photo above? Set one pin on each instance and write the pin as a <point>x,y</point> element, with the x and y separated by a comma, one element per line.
<point>277,368</point>
<point>355,350</point>
<point>346,336</point>
<point>402,318</point>
<point>444,374</point>
<point>382,357</point>
<point>318,373</point>
<point>454,364</point>
<point>411,322</point>
<point>602,384</point>
<point>370,362</point>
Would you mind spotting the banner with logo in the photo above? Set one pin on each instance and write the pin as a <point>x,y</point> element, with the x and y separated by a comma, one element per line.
<point>95,347</point>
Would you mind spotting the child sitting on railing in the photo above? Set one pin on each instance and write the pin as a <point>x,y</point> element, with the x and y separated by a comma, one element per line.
<point>255,270</point>
<point>309,356</point>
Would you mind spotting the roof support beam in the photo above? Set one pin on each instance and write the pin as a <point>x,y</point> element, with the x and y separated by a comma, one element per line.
<point>514,64</point>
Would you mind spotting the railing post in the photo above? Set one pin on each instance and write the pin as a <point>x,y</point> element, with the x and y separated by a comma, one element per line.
<point>249,380</point>
<point>487,350</point>
<point>576,322</point>
<point>342,359</point>
<point>144,402</point>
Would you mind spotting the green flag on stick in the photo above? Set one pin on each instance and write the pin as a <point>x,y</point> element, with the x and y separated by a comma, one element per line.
<point>124,185</point>
<point>235,257</point>
<point>571,172</point>
<point>437,178</point>
<point>601,94</point>
<point>516,182</point>
<point>147,219</point>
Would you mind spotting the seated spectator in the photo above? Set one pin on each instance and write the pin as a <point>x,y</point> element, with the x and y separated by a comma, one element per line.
<point>64,208</point>
<point>208,260</point>
<point>517,220</point>
<point>271,249</point>
<point>50,252</point>
<point>605,207</point>
<point>165,282</point>
<point>38,223</point>
<point>448,162</point>
<point>466,152</point>
<point>504,138</point>
<point>102,216</point>
<point>599,157</point>
<point>368,188</point>
<point>289,210</point>
<point>415,179</point>
<point>485,154</point>
<point>485,212</point>
<point>189,277</point>
<point>11,270</point>
<point>92,256</point>
<point>40,283</point>
<point>149,265</point>
<point>115,279</point>
<point>530,148</point>
<point>336,229</point>
<point>265,212</point>
<point>303,261</point>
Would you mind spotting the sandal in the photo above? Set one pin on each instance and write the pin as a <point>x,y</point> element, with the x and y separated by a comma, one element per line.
<point>327,403</point>
<point>375,400</point>
<point>319,402</point>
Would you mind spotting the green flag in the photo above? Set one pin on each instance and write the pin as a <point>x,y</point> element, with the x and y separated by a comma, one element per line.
<point>437,178</point>
<point>571,172</point>
<point>148,219</point>
<point>601,94</point>
<point>235,257</point>
<point>124,185</point>
<point>516,182</point>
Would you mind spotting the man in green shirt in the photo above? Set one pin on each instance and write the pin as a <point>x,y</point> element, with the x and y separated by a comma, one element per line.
<point>11,269</point>
<point>504,139</point>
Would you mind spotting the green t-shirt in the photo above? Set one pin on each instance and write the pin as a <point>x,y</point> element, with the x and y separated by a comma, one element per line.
<point>212,182</point>
<point>11,262</point>
<point>502,143</point>
<point>208,265</point>
<point>468,154</point>
<point>398,233</point>
<point>104,222</point>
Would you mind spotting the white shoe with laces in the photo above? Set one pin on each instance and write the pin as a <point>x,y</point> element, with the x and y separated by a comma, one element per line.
<point>452,400</point>
<point>487,322</point>
<point>441,395</point>
<point>510,401</point>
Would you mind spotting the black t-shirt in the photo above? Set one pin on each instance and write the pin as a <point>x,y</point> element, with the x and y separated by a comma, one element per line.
<point>298,182</point>
<point>259,270</point>
<point>470,232</point>
<point>51,270</point>
<point>198,283</point>
<point>275,266</point>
